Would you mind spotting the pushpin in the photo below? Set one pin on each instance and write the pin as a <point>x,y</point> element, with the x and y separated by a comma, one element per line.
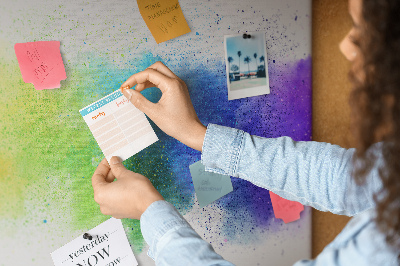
<point>87,236</point>
<point>246,36</point>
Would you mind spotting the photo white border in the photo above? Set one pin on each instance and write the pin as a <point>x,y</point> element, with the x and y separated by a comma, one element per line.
<point>247,92</point>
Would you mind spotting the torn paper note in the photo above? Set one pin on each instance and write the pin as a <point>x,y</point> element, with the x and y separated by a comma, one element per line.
<point>286,210</point>
<point>164,18</point>
<point>41,63</point>
<point>209,186</point>
<point>118,126</point>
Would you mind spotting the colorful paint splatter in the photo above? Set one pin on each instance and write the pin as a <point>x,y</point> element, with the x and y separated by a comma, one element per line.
<point>48,155</point>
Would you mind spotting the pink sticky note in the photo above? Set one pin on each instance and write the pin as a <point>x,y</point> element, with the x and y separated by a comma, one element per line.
<point>41,63</point>
<point>286,210</point>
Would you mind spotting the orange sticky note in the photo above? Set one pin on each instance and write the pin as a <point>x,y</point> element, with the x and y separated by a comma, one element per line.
<point>164,18</point>
<point>286,210</point>
<point>41,63</point>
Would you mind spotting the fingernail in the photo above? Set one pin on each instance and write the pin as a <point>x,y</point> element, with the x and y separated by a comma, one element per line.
<point>127,93</point>
<point>115,160</point>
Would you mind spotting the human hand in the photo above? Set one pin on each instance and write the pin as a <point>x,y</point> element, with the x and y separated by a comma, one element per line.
<point>127,197</point>
<point>174,113</point>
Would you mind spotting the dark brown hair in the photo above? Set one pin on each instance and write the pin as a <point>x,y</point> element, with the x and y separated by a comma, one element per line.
<point>376,107</point>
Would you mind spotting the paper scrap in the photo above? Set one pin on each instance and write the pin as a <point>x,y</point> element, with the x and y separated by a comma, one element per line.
<point>118,126</point>
<point>164,18</point>
<point>286,210</point>
<point>209,186</point>
<point>109,246</point>
<point>41,63</point>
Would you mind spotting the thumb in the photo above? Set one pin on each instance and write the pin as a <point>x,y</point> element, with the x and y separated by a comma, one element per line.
<point>117,167</point>
<point>138,100</point>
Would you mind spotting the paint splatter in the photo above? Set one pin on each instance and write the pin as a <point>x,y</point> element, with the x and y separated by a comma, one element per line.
<point>56,151</point>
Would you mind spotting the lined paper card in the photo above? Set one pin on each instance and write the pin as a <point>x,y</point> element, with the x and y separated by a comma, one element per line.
<point>118,126</point>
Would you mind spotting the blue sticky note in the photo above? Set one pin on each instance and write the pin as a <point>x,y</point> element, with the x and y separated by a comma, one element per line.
<point>209,186</point>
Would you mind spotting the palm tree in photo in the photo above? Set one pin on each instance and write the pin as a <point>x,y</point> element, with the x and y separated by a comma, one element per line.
<point>262,59</point>
<point>261,68</point>
<point>239,55</point>
<point>255,60</point>
<point>230,59</point>
<point>247,60</point>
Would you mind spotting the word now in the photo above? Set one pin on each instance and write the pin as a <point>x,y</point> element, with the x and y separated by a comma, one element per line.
<point>169,24</point>
<point>93,259</point>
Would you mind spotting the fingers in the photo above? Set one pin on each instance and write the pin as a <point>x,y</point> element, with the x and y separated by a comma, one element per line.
<point>117,167</point>
<point>143,86</point>
<point>110,177</point>
<point>140,102</point>
<point>160,67</point>
<point>100,175</point>
<point>159,80</point>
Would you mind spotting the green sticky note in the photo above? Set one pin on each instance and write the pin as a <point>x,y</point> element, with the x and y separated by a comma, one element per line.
<point>209,186</point>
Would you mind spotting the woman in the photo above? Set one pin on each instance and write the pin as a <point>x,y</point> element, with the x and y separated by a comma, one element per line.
<point>317,174</point>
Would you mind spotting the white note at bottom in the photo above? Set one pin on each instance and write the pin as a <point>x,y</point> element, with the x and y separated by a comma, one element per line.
<point>108,247</point>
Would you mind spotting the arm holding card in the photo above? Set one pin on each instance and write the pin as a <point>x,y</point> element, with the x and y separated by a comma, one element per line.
<point>286,167</point>
<point>171,239</point>
<point>312,173</point>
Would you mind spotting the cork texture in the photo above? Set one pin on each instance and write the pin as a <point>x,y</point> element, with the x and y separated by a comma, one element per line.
<point>331,89</point>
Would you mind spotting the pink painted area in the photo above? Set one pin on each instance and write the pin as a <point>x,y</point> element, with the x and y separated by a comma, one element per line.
<point>41,63</point>
<point>286,210</point>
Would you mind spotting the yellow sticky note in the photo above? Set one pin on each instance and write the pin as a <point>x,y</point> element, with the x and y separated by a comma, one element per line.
<point>164,18</point>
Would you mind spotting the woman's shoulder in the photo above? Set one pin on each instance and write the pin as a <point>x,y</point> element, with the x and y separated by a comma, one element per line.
<point>361,241</point>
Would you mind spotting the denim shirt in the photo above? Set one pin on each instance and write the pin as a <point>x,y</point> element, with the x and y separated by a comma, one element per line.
<point>312,173</point>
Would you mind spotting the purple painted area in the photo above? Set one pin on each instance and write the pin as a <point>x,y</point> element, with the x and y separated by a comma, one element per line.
<point>286,111</point>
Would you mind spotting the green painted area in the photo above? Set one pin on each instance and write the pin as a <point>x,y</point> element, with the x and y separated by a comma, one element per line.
<point>46,144</point>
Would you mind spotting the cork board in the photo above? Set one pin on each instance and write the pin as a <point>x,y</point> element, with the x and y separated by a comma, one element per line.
<point>331,88</point>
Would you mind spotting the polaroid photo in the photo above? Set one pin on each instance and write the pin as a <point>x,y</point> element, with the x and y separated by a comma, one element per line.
<point>246,65</point>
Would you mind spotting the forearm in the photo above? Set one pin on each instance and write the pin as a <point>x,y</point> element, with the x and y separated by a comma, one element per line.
<point>171,239</point>
<point>312,173</point>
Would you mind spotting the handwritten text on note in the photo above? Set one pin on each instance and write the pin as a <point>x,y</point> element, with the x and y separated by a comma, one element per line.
<point>41,63</point>
<point>209,186</point>
<point>286,210</point>
<point>164,18</point>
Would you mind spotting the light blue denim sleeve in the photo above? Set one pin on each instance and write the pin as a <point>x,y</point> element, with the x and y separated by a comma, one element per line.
<point>312,173</point>
<point>172,240</point>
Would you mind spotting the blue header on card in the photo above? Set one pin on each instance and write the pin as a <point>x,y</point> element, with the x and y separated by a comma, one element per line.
<point>100,103</point>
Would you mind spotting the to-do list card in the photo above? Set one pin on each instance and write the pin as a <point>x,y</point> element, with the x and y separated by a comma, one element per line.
<point>118,126</point>
<point>108,246</point>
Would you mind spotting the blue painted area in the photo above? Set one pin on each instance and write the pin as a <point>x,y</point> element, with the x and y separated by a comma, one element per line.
<point>286,111</point>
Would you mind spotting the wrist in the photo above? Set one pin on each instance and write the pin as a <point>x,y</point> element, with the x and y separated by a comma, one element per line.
<point>196,136</point>
<point>148,203</point>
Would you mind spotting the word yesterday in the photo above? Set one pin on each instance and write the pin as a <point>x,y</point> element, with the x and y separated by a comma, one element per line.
<point>89,246</point>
